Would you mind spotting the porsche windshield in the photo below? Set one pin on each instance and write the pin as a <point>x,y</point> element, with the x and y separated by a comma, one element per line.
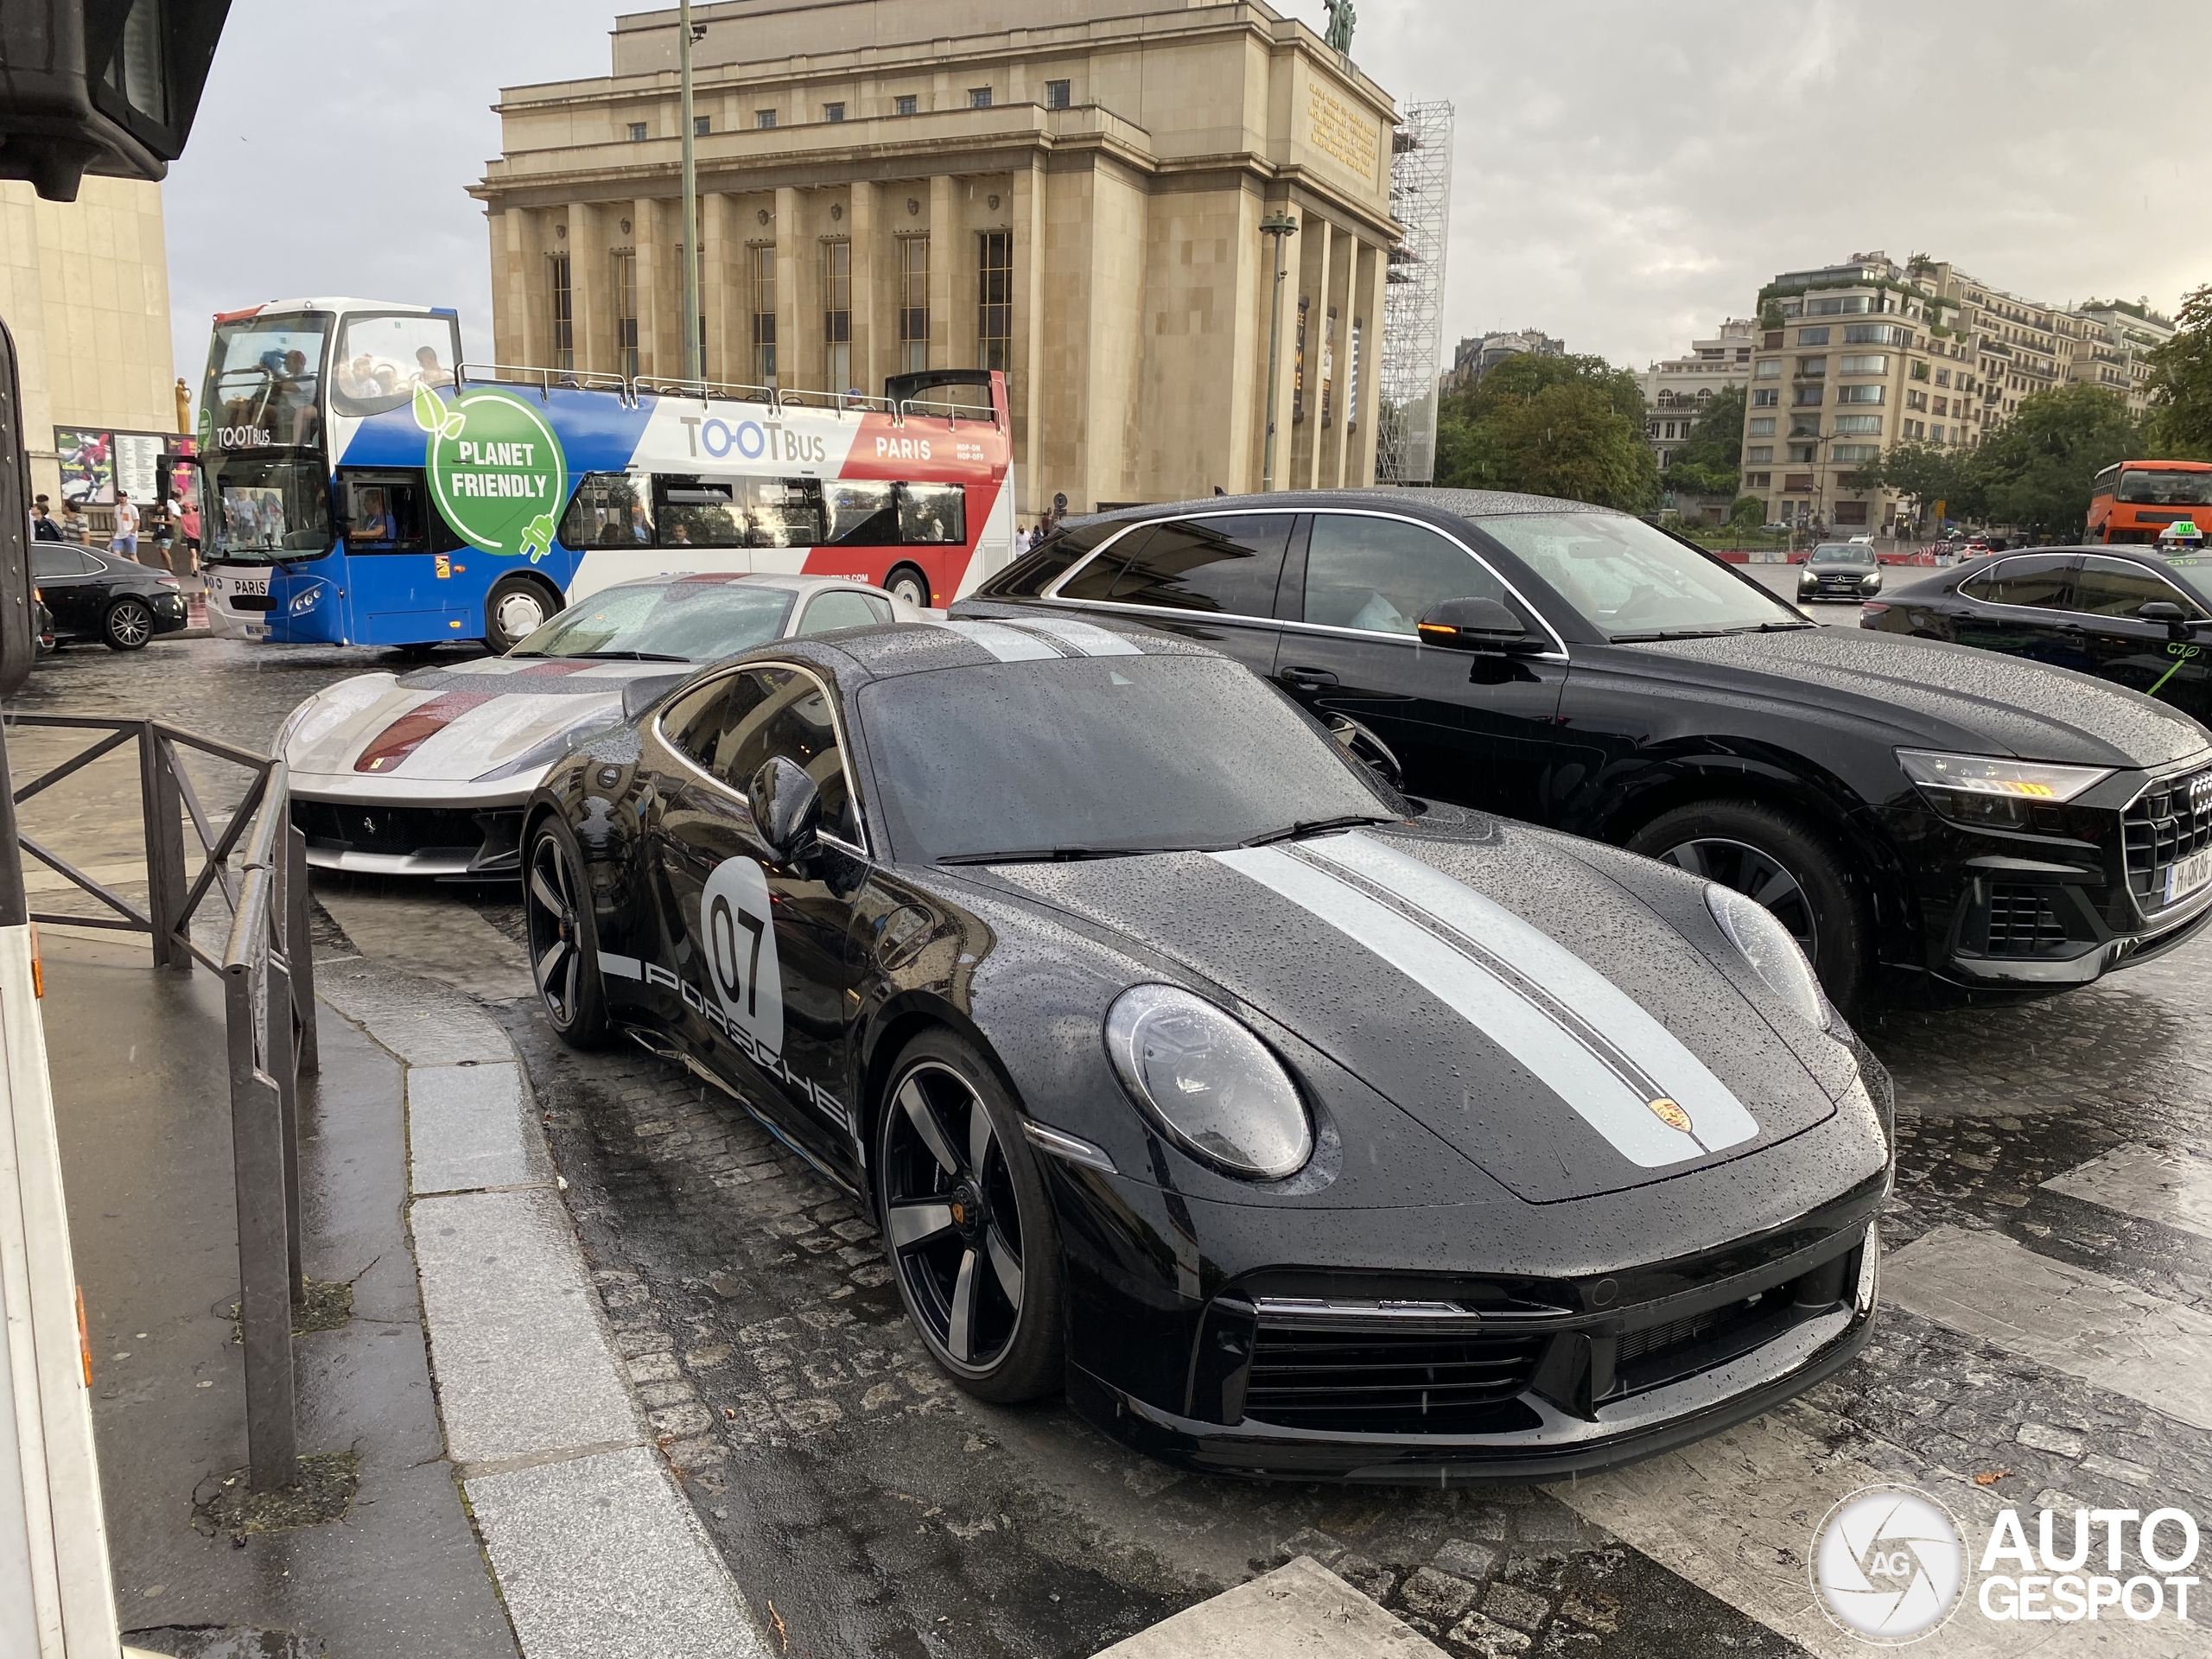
<point>668,622</point>
<point>1091,756</point>
<point>1631,582</point>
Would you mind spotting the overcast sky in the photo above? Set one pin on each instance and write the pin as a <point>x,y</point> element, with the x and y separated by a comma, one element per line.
<point>1626,174</point>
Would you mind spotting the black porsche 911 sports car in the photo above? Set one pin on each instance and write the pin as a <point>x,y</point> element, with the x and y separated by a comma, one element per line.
<point>1294,1127</point>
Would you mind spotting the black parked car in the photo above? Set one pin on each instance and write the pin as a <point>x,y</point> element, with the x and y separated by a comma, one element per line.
<point>1185,1064</point>
<point>104,596</point>
<point>2131,615</point>
<point>1897,801</point>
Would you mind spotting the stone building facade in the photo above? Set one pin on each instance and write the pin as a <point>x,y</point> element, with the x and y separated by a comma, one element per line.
<point>1069,190</point>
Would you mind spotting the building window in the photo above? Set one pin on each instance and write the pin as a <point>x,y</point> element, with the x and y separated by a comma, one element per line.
<point>1811,367</point>
<point>1762,426</point>
<point>837,316</point>
<point>1807,397</point>
<point>1769,368</point>
<point>1759,451</point>
<point>905,103</point>
<point>702,125</point>
<point>1915,400</point>
<point>1758,481</point>
<point>1059,94</point>
<point>1804,426</point>
<point>637,132</point>
<point>1850,513</point>
<point>1867,363</point>
<point>1766,397</point>
<point>625,312</point>
<point>913,304</point>
<point>1935,433</point>
<point>764,118</point>
<point>1802,453</point>
<point>994,301</point>
<point>1859,424</point>
<point>833,111</point>
<point>563,308</point>
<point>1863,394</point>
<point>1813,336</point>
<point>979,97</point>
<point>1854,452</point>
<point>763,285</point>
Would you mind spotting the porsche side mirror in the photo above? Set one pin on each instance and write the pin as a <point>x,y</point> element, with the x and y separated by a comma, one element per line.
<point>1477,625</point>
<point>787,809</point>
<point>1370,751</point>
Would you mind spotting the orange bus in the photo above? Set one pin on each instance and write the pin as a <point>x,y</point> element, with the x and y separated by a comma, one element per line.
<point>2134,500</point>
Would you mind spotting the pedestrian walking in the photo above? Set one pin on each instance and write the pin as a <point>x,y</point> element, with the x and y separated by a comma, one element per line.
<point>125,539</point>
<point>164,538</point>
<point>43,529</point>
<point>75,530</point>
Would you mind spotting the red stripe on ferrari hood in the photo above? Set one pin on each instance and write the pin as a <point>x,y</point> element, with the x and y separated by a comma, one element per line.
<point>385,752</point>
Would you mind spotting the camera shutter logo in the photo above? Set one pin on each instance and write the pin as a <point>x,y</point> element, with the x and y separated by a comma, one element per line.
<point>1889,1565</point>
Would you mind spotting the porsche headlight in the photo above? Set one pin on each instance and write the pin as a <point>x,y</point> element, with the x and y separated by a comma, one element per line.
<point>1772,954</point>
<point>1987,789</point>
<point>1215,1088</point>
<point>551,750</point>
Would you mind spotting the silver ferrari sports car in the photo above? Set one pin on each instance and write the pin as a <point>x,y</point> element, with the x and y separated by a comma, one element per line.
<point>425,772</point>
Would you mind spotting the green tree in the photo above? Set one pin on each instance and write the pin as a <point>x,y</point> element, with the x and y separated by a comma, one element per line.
<point>2037,468</point>
<point>1708,463</point>
<point>1748,514</point>
<point>1932,474</point>
<point>1565,426</point>
<point>2181,383</point>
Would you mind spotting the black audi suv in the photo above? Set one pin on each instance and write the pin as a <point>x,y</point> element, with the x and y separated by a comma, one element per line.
<point>1915,812</point>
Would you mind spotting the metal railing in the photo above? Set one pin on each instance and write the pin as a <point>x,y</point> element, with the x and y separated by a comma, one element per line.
<point>268,972</point>
<point>779,401</point>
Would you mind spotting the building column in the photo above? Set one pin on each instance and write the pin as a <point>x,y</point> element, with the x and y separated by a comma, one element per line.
<point>799,350</point>
<point>717,214</point>
<point>869,270</point>
<point>590,279</point>
<point>1367,290</point>
<point>1265,288</point>
<point>1026,357</point>
<point>944,257</point>
<point>1310,284</point>
<point>1336,345</point>
<point>644,249</point>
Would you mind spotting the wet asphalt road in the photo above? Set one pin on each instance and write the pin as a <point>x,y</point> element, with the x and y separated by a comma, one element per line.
<point>867,1509</point>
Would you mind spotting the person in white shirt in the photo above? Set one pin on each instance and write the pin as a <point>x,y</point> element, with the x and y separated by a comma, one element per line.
<point>125,540</point>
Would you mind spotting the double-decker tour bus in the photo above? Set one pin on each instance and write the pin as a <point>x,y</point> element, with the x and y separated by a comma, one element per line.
<point>2133,500</point>
<point>362,485</point>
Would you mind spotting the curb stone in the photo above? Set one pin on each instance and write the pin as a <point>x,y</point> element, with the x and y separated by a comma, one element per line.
<point>533,1397</point>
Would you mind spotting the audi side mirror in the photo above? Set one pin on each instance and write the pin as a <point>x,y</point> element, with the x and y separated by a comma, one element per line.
<point>1476,625</point>
<point>786,809</point>
<point>2165,611</point>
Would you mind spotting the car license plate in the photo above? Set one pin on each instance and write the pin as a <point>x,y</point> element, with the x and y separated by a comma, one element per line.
<point>244,585</point>
<point>2186,877</point>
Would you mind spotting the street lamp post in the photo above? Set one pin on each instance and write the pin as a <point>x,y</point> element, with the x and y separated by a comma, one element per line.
<point>694,352</point>
<point>1278,227</point>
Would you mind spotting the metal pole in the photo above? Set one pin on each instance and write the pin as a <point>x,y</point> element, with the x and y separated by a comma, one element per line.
<point>694,353</point>
<point>299,948</point>
<point>1276,227</point>
<point>264,1244</point>
<point>165,883</point>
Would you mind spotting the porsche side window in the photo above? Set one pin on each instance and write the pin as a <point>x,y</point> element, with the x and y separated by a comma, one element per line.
<point>1229,566</point>
<point>753,716</point>
<point>2044,581</point>
<point>2120,587</point>
<point>1380,575</point>
<point>694,725</point>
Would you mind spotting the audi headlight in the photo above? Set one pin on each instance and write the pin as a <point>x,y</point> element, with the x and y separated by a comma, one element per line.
<point>550,751</point>
<point>1215,1088</point>
<point>1772,954</point>
<point>1985,789</point>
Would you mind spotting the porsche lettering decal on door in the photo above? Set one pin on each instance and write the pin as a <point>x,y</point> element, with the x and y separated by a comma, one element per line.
<point>739,951</point>
<point>1591,1043</point>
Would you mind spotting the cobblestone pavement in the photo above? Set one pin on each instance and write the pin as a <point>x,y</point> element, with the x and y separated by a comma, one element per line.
<point>868,1508</point>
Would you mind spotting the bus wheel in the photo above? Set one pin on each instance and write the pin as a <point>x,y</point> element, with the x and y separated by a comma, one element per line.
<point>907,582</point>
<point>515,608</point>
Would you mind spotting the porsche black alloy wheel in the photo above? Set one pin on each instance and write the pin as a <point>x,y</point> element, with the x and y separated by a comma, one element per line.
<point>907,582</point>
<point>128,626</point>
<point>564,950</point>
<point>967,1228</point>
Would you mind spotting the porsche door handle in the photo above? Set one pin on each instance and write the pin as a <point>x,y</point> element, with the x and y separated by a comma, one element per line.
<point>1306,679</point>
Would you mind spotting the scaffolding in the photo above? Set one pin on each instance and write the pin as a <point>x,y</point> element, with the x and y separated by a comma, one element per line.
<point>1413,306</point>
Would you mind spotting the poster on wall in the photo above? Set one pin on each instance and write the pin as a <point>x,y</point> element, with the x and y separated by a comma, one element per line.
<point>1328,363</point>
<point>1351,380</point>
<point>137,456</point>
<point>87,465</point>
<point>1298,366</point>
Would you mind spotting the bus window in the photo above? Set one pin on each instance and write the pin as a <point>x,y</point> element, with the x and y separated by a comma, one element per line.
<point>608,510</point>
<point>384,513</point>
<point>861,515</point>
<point>264,376</point>
<point>698,513</point>
<point>783,511</point>
<point>264,510</point>
<point>932,512</point>
<point>381,360</point>
<point>2149,487</point>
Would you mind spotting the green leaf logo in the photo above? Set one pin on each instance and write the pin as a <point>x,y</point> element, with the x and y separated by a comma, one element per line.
<point>496,470</point>
<point>430,413</point>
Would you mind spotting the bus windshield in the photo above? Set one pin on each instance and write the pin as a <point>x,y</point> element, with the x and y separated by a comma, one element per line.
<point>383,356</point>
<point>2147,486</point>
<point>265,380</point>
<point>258,511</point>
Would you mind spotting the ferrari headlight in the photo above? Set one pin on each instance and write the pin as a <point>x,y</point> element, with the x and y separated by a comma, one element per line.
<point>1213,1086</point>
<point>1772,954</point>
<point>1986,789</point>
<point>551,750</point>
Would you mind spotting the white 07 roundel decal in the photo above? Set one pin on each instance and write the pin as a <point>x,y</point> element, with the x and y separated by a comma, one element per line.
<point>739,943</point>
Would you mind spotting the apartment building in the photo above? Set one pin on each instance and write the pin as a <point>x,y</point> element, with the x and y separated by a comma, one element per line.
<point>1477,354</point>
<point>2116,352</point>
<point>1675,391</point>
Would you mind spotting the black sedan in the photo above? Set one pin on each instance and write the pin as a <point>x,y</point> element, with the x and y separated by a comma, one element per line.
<point>2131,615</point>
<point>1839,570</point>
<point>1294,1128</point>
<point>104,596</point>
<point>1900,804</point>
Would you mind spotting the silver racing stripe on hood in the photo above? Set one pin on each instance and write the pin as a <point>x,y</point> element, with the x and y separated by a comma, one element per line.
<point>1087,637</point>
<point>1009,645</point>
<point>1580,1034</point>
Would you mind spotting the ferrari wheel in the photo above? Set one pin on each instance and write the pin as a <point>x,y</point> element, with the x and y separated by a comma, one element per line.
<point>910,584</point>
<point>564,946</point>
<point>968,1228</point>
